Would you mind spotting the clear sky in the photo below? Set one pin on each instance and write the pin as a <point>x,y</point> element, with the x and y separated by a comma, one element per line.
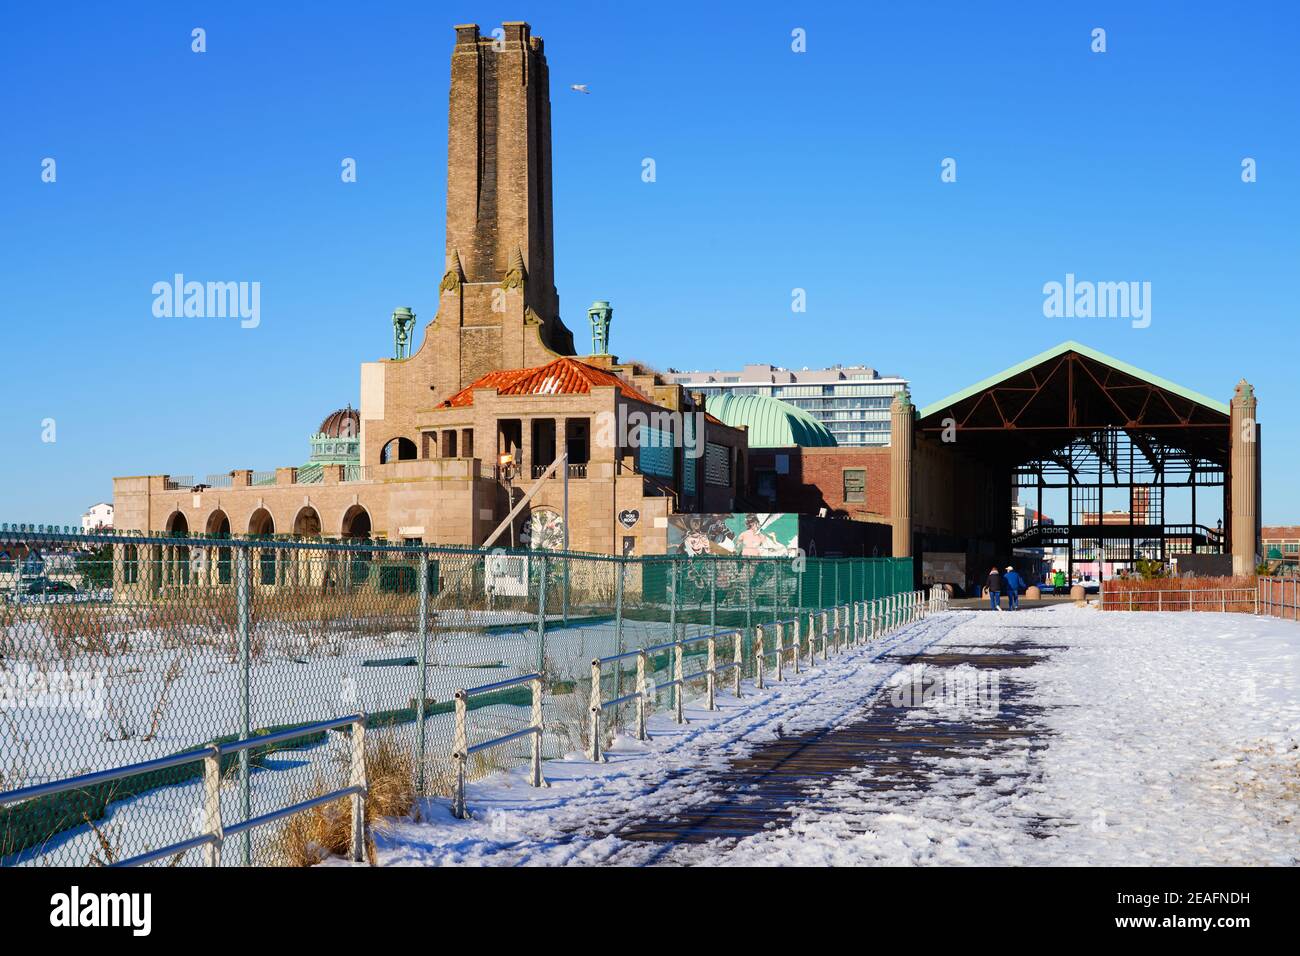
<point>775,170</point>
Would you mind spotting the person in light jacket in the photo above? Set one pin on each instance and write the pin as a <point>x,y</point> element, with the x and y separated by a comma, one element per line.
<point>1013,582</point>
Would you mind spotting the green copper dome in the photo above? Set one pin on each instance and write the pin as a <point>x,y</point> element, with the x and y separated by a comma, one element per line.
<point>772,423</point>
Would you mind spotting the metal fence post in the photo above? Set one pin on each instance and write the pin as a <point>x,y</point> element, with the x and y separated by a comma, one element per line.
<point>826,636</point>
<point>798,650</point>
<point>780,650</point>
<point>713,595</point>
<point>738,658</point>
<point>541,617</point>
<point>641,688</point>
<point>595,711</point>
<point>712,677</point>
<point>242,617</point>
<point>212,806</point>
<point>422,659</point>
<point>358,843</point>
<point>677,676</point>
<point>672,630</point>
<point>759,663</point>
<point>538,780</point>
<point>618,639</point>
<point>459,757</point>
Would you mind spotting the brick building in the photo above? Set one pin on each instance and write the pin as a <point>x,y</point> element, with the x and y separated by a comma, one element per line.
<point>494,380</point>
<point>1281,543</point>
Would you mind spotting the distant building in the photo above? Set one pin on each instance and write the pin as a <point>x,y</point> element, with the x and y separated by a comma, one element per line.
<point>852,401</point>
<point>98,516</point>
<point>1281,543</point>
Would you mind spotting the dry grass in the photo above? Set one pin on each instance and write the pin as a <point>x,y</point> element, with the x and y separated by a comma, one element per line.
<point>316,835</point>
<point>1174,596</point>
<point>106,853</point>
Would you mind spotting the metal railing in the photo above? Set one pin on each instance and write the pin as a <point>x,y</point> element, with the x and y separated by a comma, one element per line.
<point>463,749</point>
<point>171,641</point>
<point>1190,599</point>
<point>1271,597</point>
<point>1279,597</point>
<point>573,470</point>
<point>214,834</point>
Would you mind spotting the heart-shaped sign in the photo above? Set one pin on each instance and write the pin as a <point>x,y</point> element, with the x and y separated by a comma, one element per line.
<point>628,517</point>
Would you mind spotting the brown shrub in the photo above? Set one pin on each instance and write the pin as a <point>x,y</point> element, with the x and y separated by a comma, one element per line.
<point>315,835</point>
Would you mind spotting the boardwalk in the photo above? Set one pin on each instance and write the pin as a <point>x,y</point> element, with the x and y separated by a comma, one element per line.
<point>1060,735</point>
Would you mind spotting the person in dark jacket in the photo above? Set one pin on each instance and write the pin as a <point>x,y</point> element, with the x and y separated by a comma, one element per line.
<point>995,589</point>
<point>1014,583</point>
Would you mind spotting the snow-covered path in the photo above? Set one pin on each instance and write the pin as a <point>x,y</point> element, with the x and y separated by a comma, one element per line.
<point>1139,738</point>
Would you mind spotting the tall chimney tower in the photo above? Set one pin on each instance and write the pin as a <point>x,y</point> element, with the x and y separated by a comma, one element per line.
<point>499,162</point>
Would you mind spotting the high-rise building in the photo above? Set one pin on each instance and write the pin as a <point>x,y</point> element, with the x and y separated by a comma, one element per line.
<point>852,401</point>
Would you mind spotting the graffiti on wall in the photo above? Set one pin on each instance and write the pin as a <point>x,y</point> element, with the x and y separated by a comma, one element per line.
<point>745,534</point>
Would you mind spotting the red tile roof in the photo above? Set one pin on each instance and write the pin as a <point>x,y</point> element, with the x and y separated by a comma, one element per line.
<point>564,376</point>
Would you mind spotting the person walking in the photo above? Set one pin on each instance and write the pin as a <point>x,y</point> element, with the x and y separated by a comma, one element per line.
<point>995,589</point>
<point>1013,582</point>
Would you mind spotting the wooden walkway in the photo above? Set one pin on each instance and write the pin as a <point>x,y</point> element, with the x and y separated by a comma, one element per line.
<point>761,790</point>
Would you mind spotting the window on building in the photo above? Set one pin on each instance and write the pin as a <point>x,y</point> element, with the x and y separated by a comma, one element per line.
<point>717,465</point>
<point>855,484</point>
<point>765,484</point>
<point>656,452</point>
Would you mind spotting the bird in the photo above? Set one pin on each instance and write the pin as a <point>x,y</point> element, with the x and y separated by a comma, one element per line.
<point>580,88</point>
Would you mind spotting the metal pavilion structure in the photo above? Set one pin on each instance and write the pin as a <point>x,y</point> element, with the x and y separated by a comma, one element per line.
<point>1149,468</point>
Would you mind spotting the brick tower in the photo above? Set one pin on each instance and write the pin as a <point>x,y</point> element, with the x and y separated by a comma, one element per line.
<point>499,228</point>
<point>497,304</point>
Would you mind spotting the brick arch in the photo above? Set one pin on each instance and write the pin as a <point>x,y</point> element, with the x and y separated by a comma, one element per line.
<point>399,448</point>
<point>218,523</point>
<point>261,522</point>
<point>307,523</point>
<point>356,523</point>
<point>177,523</point>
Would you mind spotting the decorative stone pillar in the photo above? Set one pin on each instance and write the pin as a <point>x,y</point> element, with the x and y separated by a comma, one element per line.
<point>902,415</point>
<point>1244,521</point>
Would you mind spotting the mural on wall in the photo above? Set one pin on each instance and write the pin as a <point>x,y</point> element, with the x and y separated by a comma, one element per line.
<point>545,530</point>
<point>745,534</point>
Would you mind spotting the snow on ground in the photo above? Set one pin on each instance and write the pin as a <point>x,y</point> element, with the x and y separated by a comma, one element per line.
<point>133,709</point>
<point>1158,739</point>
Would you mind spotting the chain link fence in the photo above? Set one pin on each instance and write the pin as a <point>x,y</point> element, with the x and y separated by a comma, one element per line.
<point>117,649</point>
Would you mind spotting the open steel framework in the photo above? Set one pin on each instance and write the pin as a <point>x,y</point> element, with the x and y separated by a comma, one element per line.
<point>1116,439</point>
<point>1116,485</point>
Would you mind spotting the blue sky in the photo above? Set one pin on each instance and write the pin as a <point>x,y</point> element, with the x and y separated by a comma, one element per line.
<point>775,171</point>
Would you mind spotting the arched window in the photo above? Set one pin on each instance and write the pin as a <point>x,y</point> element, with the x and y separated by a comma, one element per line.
<point>399,449</point>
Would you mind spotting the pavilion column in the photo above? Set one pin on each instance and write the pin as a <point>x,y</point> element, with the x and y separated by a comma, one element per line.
<point>525,464</point>
<point>1244,520</point>
<point>901,419</point>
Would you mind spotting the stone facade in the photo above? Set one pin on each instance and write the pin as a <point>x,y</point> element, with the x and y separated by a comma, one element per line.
<point>428,468</point>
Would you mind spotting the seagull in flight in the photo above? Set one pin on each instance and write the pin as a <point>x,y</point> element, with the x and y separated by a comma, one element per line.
<point>580,88</point>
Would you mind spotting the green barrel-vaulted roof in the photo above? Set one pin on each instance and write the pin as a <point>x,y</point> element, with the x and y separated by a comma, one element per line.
<point>772,423</point>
